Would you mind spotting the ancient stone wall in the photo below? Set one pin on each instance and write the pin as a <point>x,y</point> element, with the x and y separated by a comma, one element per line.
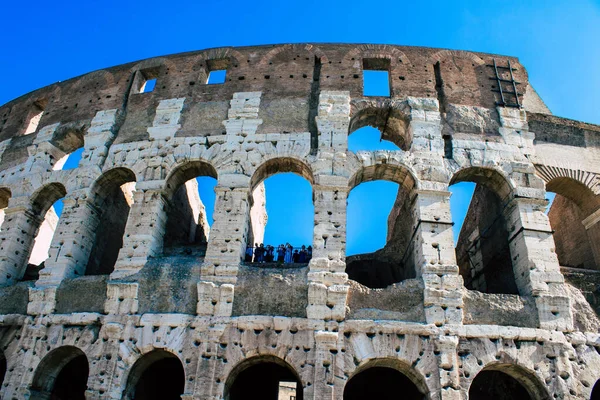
<point>203,325</point>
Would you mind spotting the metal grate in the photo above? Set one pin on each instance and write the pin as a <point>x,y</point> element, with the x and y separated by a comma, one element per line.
<point>509,95</point>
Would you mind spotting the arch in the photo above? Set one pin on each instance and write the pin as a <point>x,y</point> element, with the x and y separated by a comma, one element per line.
<point>281,164</point>
<point>507,381</point>
<point>573,217</point>
<point>3,368</point>
<point>491,178</point>
<point>46,196</point>
<point>596,391</point>
<point>68,138</point>
<point>483,250</point>
<point>392,53</point>
<point>445,54</point>
<point>186,171</point>
<point>262,375</point>
<point>62,374</point>
<point>312,49</point>
<point>112,197</point>
<point>386,115</point>
<point>157,375</point>
<point>5,195</point>
<point>385,378</point>
<point>393,172</point>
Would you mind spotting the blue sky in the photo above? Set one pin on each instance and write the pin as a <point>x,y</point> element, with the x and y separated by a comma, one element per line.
<point>556,41</point>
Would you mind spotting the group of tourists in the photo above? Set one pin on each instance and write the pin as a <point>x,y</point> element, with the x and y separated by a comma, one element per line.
<point>282,254</point>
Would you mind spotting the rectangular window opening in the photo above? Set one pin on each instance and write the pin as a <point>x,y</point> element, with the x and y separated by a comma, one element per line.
<point>148,86</point>
<point>376,77</point>
<point>216,77</point>
<point>34,117</point>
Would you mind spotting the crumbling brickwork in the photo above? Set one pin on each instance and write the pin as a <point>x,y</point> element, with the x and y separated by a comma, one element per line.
<point>171,310</point>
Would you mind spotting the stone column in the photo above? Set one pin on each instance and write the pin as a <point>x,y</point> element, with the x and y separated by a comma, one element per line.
<point>226,246</point>
<point>446,350</point>
<point>325,366</point>
<point>535,264</point>
<point>16,239</point>
<point>69,251</point>
<point>333,120</point>
<point>327,289</point>
<point>99,137</point>
<point>146,224</point>
<point>42,153</point>
<point>434,258</point>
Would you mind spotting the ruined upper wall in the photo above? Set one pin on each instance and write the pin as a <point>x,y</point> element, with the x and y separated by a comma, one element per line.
<point>287,75</point>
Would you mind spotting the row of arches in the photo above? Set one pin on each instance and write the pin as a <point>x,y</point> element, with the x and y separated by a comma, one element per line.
<point>160,375</point>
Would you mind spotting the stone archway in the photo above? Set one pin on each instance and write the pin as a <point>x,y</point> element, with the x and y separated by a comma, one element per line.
<point>506,382</point>
<point>157,375</point>
<point>382,383</point>
<point>267,378</point>
<point>61,375</point>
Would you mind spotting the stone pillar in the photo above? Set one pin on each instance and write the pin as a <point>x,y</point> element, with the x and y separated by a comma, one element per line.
<point>327,289</point>
<point>226,246</point>
<point>42,153</point>
<point>166,119</point>
<point>325,366</point>
<point>69,251</point>
<point>146,224</point>
<point>434,258</point>
<point>333,120</point>
<point>99,137</point>
<point>446,350</point>
<point>16,239</point>
<point>535,264</point>
<point>73,240</point>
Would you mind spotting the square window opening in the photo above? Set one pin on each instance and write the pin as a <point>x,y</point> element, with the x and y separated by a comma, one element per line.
<point>376,77</point>
<point>34,117</point>
<point>148,86</point>
<point>216,77</point>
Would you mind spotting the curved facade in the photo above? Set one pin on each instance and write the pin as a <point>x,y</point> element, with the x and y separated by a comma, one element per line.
<point>513,304</point>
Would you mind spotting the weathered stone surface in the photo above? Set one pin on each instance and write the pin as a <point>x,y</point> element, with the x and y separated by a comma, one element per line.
<point>133,276</point>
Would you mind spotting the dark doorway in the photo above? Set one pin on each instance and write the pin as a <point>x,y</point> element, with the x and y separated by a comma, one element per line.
<point>381,383</point>
<point>266,380</point>
<point>596,391</point>
<point>61,375</point>
<point>498,386</point>
<point>158,375</point>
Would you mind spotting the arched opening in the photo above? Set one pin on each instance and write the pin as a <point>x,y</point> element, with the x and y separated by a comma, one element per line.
<point>482,247</point>
<point>386,122</point>
<point>506,382</point>
<point>3,368</point>
<point>61,375</point>
<point>70,140</point>
<point>190,202</point>
<point>46,208</point>
<point>380,226</point>
<point>4,197</point>
<point>381,383</point>
<point>573,218</point>
<point>596,391</point>
<point>112,199</point>
<point>281,214</point>
<point>158,375</point>
<point>267,378</point>
<point>369,139</point>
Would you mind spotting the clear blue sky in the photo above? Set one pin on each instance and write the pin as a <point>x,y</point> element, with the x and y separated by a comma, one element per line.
<point>557,41</point>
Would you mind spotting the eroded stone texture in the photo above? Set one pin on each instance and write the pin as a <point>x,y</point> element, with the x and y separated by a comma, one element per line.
<point>134,278</point>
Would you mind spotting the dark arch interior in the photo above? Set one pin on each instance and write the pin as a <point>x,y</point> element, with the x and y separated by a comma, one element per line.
<point>381,383</point>
<point>596,391</point>
<point>112,206</point>
<point>498,386</point>
<point>62,375</point>
<point>71,382</point>
<point>2,368</point>
<point>483,248</point>
<point>265,380</point>
<point>157,376</point>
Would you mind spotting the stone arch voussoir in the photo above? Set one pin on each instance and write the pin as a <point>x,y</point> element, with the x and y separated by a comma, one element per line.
<point>394,54</point>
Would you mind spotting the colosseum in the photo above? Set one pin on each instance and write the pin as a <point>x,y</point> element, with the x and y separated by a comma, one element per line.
<point>132,297</point>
